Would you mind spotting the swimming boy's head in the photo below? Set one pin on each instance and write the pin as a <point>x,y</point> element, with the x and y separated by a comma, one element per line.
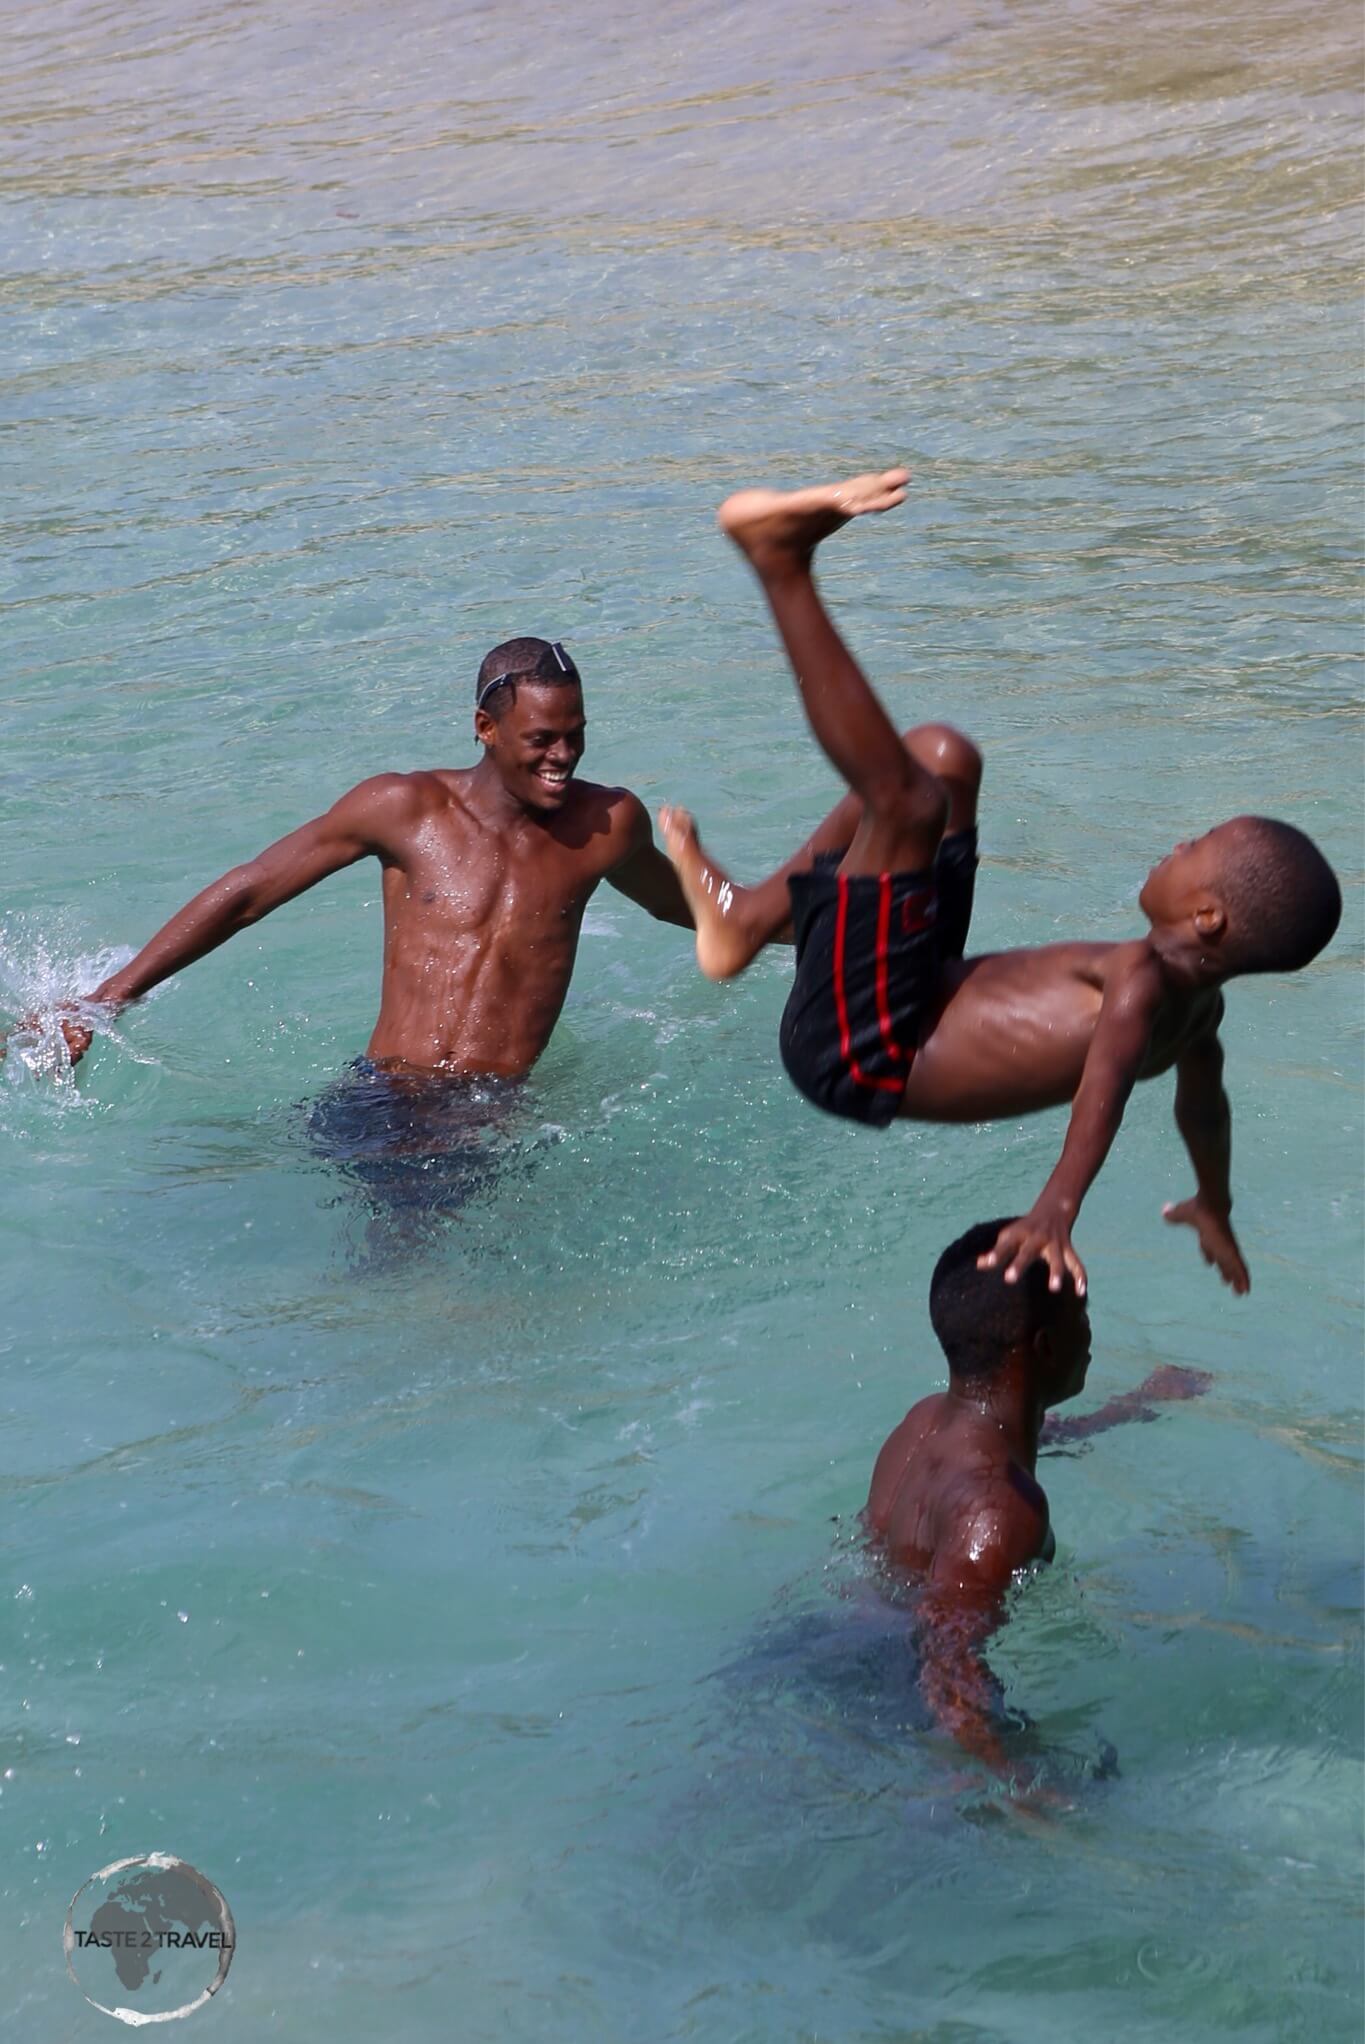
<point>528,716</point>
<point>1251,895</point>
<point>984,1324</point>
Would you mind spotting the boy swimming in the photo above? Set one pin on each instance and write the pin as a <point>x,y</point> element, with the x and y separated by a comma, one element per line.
<point>955,1503</point>
<point>888,1018</point>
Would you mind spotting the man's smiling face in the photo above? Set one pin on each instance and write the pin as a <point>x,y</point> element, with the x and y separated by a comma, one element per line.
<point>537,742</point>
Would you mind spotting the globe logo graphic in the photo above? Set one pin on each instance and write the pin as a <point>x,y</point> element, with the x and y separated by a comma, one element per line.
<point>148,1939</point>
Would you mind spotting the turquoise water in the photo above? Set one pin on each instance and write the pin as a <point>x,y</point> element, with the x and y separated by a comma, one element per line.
<point>458,1612</point>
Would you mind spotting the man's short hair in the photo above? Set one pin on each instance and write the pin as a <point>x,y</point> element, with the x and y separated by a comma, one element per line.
<point>977,1317</point>
<point>542,661</point>
<point>1281,896</point>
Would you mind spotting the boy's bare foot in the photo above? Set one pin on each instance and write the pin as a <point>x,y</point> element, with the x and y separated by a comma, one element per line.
<point>724,947</point>
<point>778,526</point>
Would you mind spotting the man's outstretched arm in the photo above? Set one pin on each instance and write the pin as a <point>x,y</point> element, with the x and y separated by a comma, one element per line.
<point>363,821</point>
<point>1204,1119</point>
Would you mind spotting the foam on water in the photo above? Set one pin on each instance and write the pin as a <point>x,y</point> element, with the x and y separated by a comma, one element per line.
<point>44,982</point>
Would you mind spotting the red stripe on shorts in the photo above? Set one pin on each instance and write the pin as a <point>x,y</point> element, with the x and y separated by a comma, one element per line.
<point>893,1049</point>
<point>860,1077</point>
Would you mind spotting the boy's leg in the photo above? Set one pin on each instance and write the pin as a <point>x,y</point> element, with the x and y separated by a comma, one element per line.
<point>734,922</point>
<point>903,806</point>
<point>958,764</point>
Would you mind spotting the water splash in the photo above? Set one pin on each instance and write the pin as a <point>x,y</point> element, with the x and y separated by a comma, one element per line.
<point>45,981</point>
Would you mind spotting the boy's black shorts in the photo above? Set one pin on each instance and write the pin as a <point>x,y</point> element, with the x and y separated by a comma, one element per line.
<point>869,948</point>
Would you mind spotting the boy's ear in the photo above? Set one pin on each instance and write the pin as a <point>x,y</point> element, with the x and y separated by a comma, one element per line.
<point>485,730</point>
<point>1210,920</point>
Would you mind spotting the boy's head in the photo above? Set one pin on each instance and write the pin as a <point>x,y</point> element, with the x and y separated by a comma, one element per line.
<point>528,716</point>
<point>983,1323</point>
<point>1251,895</point>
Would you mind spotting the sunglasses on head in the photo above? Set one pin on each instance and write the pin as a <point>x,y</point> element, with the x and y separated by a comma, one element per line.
<point>563,659</point>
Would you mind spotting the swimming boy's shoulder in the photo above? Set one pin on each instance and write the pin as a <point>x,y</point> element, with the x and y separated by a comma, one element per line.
<point>998,1523</point>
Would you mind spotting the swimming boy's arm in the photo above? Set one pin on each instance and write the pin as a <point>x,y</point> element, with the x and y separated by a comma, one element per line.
<point>1167,1382</point>
<point>644,875</point>
<point>1132,997</point>
<point>962,1605</point>
<point>1204,1119</point>
<point>362,821</point>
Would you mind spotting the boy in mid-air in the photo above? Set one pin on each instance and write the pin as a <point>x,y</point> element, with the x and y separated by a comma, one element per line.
<point>887,1017</point>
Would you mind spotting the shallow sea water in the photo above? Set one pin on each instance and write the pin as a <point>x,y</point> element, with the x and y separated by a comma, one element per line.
<point>469,1610</point>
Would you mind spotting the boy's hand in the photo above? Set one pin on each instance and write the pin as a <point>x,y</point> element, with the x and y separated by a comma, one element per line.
<point>1172,1380</point>
<point>1216,1239</point>
<point>1044,1235</point>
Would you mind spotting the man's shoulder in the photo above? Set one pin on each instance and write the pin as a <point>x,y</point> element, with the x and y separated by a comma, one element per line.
<point>617,812</point>
<point>400,792</point>
<point>620,802</point>
<point>386,809</point>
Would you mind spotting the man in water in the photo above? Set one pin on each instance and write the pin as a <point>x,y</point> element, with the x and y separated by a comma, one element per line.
<point>486,873</point>
<point>954,1501</point>
<point>887,1017</point>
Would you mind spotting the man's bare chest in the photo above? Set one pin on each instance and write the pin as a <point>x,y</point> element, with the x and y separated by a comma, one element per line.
<point>460,879</point>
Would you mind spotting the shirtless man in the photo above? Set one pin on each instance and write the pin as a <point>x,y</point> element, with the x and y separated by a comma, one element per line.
<point>486,873</point>
<point>888,1018</point>
<point>954,1500</point>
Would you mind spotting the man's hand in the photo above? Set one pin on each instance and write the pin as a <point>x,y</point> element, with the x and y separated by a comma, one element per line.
<point>76,1032</point>
<point>78,1036</point>
<point>1044,1235</point>
<point>1217,1242</point>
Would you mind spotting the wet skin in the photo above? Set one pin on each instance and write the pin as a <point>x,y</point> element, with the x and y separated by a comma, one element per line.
<point>487,871</point>
<point>955,1504</point>
<point>953,1494</point>
<point>1012,1032</point>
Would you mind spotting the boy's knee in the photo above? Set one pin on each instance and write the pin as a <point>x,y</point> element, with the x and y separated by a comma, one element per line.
<point>918,806</point>
<point>947,753</point>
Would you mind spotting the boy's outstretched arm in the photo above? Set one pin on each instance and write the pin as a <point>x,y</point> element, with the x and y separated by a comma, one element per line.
<point>1118,1048</point>
<point>1205,1122</point>
<point>1169,1381</point>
